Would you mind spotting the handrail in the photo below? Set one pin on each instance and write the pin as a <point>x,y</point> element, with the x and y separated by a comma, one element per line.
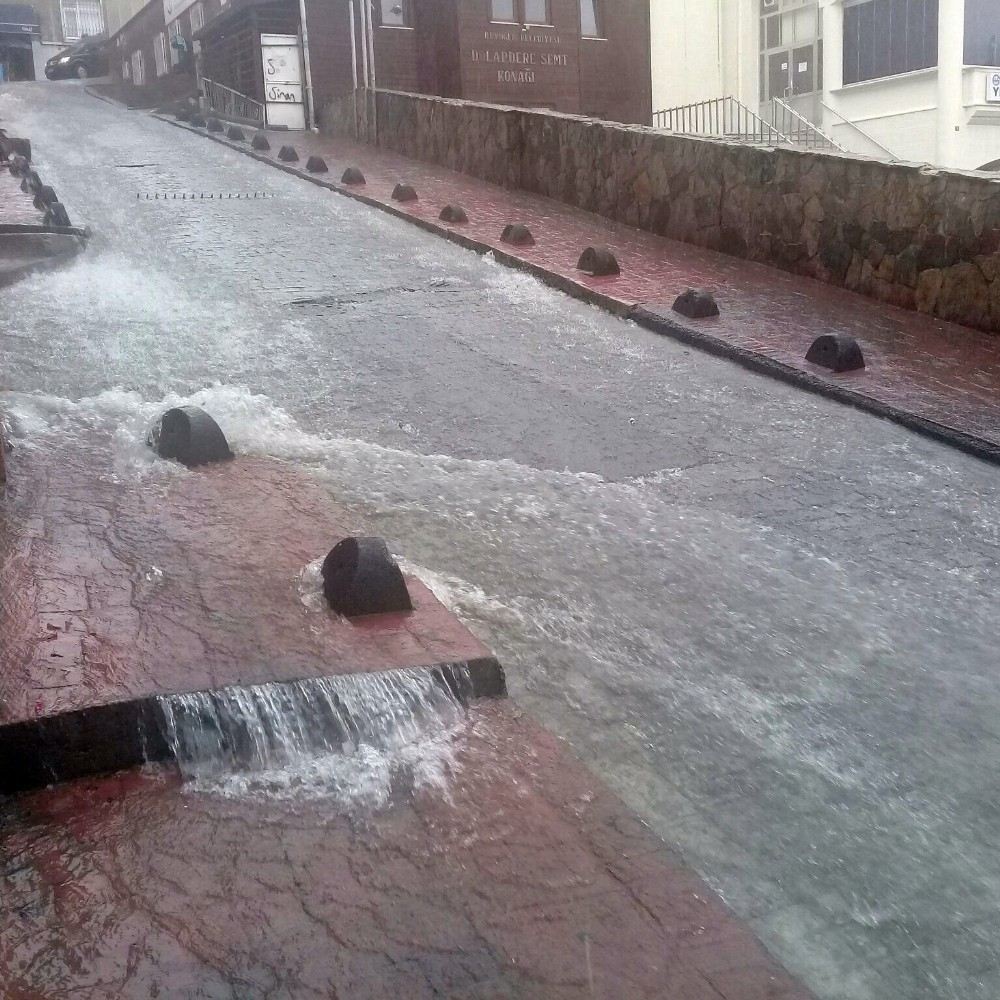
<point>802,131</point>
<point>861,131</point>
<point>722,117</point>
<point>229,103</point>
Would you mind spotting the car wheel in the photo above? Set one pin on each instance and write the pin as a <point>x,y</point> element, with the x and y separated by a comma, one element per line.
<point>81,72</point>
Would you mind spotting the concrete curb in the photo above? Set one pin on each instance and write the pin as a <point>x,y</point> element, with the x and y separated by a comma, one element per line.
<point>24,265</point>
<point>106,738</point>
<point>971,444</point>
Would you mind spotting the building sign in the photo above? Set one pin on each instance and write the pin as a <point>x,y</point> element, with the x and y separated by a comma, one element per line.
<point>172,9</point>
<point>283,100</point>
<point>993,88</point>
<point>518,58</point>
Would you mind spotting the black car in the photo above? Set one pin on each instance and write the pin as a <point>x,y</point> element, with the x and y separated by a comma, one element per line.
<point>89,57</point>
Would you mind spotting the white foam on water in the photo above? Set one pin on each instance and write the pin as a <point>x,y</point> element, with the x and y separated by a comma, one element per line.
<point>362,741</point>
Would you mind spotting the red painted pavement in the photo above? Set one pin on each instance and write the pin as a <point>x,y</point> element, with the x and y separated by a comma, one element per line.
<point>526,880</point>
<point>939,371</point>
<point>179,582</point>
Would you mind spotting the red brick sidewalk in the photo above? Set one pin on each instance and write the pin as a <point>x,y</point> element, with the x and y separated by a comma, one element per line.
<point>527,879</point>
<point>522,877</point>
<point>936,377</point>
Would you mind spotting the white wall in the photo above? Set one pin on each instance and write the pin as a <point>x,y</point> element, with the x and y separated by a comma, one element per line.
<point>703,49</point>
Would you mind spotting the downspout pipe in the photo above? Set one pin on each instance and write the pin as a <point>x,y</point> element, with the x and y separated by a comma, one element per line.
<point>310,109</point>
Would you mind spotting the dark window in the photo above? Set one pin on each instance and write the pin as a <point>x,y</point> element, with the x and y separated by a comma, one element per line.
<point>590,19</point>
<point>982,33</point>
<point>525,11</point>
<point>503,10</point>
<point>772,32</point>
<point>396,13</point>
<point>887,37</point>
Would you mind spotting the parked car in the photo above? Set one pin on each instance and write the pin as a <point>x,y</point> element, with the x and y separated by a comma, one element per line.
<point>88,57</point>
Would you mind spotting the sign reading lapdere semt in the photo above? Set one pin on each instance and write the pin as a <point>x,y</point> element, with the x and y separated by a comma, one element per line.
<point>993,87</point>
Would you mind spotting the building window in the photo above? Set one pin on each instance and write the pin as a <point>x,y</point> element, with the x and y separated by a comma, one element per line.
<point>536,12</point>
<point>887,37</point>
<point>791,48</point>
<point>138,68</point>
<point>126,70</point>
<point>160,53</point>
<point>197,17</point>
<point>590,19</point>
<point>503,10</point>
<point>177,42</point>
<point>81,17</point>
<point>521,11</point>
<point>395,13</point>
<point>982,33</point>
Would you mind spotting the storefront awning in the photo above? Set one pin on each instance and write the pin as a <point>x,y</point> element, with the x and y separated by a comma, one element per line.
<point>18,19</point>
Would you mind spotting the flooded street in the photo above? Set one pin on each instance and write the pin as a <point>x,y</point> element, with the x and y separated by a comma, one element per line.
<point>765,620</point>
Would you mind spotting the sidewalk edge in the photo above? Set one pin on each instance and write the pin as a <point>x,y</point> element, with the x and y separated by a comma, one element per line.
<point>970,444</point>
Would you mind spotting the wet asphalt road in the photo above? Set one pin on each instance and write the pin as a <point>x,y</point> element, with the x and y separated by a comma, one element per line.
<point>766,620</point>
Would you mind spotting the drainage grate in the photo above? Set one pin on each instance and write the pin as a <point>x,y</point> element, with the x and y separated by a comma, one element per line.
<point>202,195</point>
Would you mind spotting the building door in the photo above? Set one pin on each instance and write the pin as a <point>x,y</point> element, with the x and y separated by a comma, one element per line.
<point>778,74</point>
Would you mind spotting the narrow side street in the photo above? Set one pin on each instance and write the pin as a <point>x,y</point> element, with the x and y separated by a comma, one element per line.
<point>766,620</point>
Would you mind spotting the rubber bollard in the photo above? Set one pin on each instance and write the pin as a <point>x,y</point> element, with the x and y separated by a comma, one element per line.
<point>190,436</point>
<point>198,121</point>
<point>404,192</point>
<point>599,262</point>
<point>838,352</point>
<point>214,125</point>
<point>31,181</point>
<point>352,175</point>
<point>236,133</point>
<point>18,166</point>
<point>260,143</point>
<point>454,214</point>
<point>517,235</point>
<point>45,196</point>
<point>696,303</point>
<point>287,154</point>
<point>360,577</point>
<point>56,215</point>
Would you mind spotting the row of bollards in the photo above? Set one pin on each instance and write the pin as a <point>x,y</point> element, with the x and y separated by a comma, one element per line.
<point>360,576</point>
<point>836,352</point>
<point>43,195</point>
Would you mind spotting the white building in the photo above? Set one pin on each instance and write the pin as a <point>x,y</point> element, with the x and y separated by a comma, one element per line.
<point>906,79</point>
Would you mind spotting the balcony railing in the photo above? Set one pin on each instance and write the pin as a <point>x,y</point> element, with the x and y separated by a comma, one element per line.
<point>231,104</point>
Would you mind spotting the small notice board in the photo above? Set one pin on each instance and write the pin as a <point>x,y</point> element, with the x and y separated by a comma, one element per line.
<point>283,98</point>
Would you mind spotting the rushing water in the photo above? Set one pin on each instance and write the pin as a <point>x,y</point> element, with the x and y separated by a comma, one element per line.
<point>355,738</point>
<point>768,621</point>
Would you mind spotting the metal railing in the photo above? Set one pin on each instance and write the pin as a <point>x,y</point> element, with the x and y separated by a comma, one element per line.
<point>728,118</point>
<point>798,128</point>
<point>857,128</point>
<point>231,104</point>
<point>722,118</point>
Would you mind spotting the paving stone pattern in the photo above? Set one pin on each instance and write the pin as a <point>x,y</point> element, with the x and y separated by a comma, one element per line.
<point>938,371</point>
<point>903,233</point>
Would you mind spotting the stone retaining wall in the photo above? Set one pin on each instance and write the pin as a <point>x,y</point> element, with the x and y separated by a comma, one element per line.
<point>903,233</point>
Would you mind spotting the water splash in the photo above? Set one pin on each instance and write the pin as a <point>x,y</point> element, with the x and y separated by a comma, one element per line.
<point>360,739</point>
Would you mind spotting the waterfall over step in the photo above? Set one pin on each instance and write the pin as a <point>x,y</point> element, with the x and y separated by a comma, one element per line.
<point>354,736</point>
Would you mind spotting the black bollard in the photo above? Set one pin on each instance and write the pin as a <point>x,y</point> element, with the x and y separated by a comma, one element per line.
<point>696,303</point>
<point>599,262</point>
<point>837,352</point>
<point>189,435</point>
<point>454,214</point>
<point>517,235</point>
<point>360,577</point>
<point>404,192</point>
